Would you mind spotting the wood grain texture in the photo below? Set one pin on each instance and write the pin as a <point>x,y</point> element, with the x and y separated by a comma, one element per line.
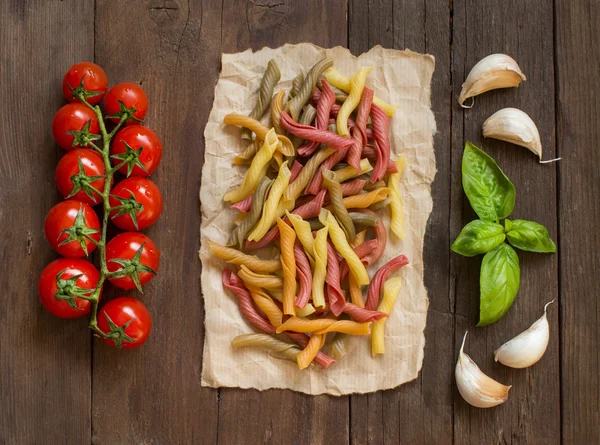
<point>153,394</point>
<point>389,416</point>
<point>532,413</point>
<point>578,133</point>
<point>44,360</point>
<point>277,416</point>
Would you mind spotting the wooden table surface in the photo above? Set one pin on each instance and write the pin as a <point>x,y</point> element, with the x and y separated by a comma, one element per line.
<point>60,386</point>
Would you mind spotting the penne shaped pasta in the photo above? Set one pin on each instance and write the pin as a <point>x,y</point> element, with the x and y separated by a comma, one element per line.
<point>364,200</point>
<point>320,269</point>
<point>339,210</point>
<point>338,80</point>
<point>266,304</point>
<point>237,258</point>
<point>267,84</point>
<point>270,209</point>
<point>391,289</point>
<point>259,280</point>
<point>396,204</point>
<point>341,244</point>
<point>304,234</point>
<point>308,354</point>
<point>347,327</point>
<point>357,83</point>
<point>288,264</point>
<point>256,171</point>
<point>348,172</point>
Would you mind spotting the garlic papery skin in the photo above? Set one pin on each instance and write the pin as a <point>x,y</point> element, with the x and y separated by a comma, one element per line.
<point>492,72</point>
<point>528,347</point>
<point>474,386</point>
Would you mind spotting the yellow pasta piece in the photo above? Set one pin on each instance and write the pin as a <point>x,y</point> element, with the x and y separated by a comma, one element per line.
<point>307,355</point>
<point>259,280</point>
<point>237,258</point>
<point>364,200</point>
<point>266,304</point>
<point>396,204</point>
<point>338,80</point>
<point>343,174</point>
<point>320,269</point>
<point>257,167</point>
<point>305,311</point>
<point>304,235</point>
<point>276,109</point>
<point>358,239</point>
<point>295,188</point>
<point>391,289</point>
<point>338,238</point>
<point>347,327</point>
<point>284,145</point>
<point>269,213</point>
<point>277,294</point>
<point>339,345</point>
<point>357,84</point>
<point>288,263</point>
<point>286,350</point>
<point>245,157</point>
<point>355,290</point>
<point>297,324</point>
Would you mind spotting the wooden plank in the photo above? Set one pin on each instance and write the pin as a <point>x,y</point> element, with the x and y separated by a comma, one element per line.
<point>153,394</point>
<point>44,360</point>
<point>523,30</point>
<point>577,58</point>
<point>276,416</point>
<point>400,415</point>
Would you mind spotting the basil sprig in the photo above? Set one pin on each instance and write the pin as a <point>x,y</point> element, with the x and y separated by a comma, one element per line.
<point>492,196</point>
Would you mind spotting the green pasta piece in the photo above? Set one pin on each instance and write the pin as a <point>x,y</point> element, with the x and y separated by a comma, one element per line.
<point>381,204</point>
<point>339,345</point>
<point>265,92</point>
<point>305,93</point>
<point>308,115</point>
<point>363,219</point>
<point>239,234</point>
<point>294,190</point>
<point>339,210</point>
<point>283,349</point>
<point>297,84</point>
<point>315,224</point>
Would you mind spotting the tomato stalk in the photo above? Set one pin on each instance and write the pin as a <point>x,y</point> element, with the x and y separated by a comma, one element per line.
<point>104,151</point>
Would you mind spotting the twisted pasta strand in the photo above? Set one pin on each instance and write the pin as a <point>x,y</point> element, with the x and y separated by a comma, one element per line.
<point>259,280</point>
<point>295,188</point>
<point>335,296</point>
<point>348,172</point>
<point>303,233</point>
<point>324,104</point>
<point>340,212</point>
<point>238,235</point>
<point>269,80</point>
<point>297,84</point>
<point>276,109</point>
<point>304,276</point>
<point>359,132</point>
<point>308,85</point>
<point>267,305</point>
<point>288,264</point>
<point>237,258</point>
<point>245,157</point>
<point>308,115</point>
<point>286,350</point>
<point>380,124</point>
<point>357,83</point>
<point>322,359</point>
<point>391,289</point>
<point>308,354</point>
<point>320,253</point>
<point>313,134</point>
<point>396,204</point>
<point>364,200</point>
<point>346,327</point>
<point>380,276</point>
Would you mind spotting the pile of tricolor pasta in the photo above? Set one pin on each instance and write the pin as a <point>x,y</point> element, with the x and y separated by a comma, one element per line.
<point>315,179</point>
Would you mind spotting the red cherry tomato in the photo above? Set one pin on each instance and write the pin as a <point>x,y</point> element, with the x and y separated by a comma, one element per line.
<point>81,171</point>
<point>62,281</point>
<point>71,129</point>
<point>128,98</point>
<point>127,320</point>
<point>126,146</point>
<point>140,204</point>
<point>69,226</point>
<point>86,78</point>
<point>133,254</point>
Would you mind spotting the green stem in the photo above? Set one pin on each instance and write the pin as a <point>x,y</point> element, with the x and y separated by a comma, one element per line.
<point>105,153</point>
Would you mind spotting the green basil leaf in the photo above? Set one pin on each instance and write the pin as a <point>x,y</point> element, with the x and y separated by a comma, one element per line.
<point>499,283</point>
<point>478,237</point>
<point>489,191</point>
<point>530,236</point>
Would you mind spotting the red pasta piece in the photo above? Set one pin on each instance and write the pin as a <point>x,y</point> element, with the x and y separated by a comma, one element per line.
<point>380,124</point>
<point>380,276</point>
<point>362,251</point>
<point>304,275</point>
<point>309,210</point>
<point>370,152</point>
<point>324,104</point>
<point>353,187</point>
<point>313,134</point>
<point>295,171</point>
<point>302,339</point>
<point>359,132</point>
<point>335,296</point>
<point>380,236</point>
<point>362,315</point>
<point>244,205</point>
<point>232,282</point>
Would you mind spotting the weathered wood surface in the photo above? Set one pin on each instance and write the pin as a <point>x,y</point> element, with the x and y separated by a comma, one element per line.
<point>59,386</point>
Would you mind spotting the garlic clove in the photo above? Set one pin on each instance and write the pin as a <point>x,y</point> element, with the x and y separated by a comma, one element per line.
<point>528,347</point>
<point>474,386</point>
<point>491,72</point>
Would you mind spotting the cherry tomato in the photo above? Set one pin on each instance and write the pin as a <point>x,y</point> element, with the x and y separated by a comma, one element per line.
<point>128,98</point>
<point>78,173</point>
<point>140,204</point>
<point>86,78</point>
<point>70,227</point>
<point>135,256</point>
<point>62,281</point>
<point>127,320</point>
<point>126,147</point>
<point>74,126</point>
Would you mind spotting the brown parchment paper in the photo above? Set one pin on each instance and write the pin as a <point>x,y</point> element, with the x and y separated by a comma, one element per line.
<point>399,77</point>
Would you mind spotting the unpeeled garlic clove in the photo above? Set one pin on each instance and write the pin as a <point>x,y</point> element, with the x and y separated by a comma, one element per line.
<point>474,386</point>
<point>528,347</point>
<point>491,72</point>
